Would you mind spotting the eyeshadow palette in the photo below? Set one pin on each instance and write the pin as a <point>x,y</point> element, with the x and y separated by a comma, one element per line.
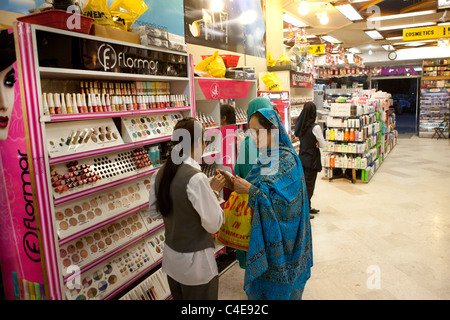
<point>93,245</point>
<point>105,169</point>
<point>103,279</point>
<point>138,128</point>
<point>64,138</point>
<point>155,287</point>
<point>79,214</point>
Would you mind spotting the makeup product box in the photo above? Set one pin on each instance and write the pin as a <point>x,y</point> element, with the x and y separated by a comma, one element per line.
<point>115,34</point>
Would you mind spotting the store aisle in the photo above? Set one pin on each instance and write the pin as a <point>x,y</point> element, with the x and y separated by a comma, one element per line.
<point>388,239</point>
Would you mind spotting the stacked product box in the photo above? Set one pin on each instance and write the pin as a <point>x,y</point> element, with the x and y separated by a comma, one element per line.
<point>151,36</point>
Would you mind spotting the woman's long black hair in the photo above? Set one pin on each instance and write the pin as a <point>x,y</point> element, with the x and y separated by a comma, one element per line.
<point>170,168</point>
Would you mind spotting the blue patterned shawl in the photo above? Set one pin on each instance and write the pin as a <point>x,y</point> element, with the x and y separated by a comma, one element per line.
<point>280,252</point>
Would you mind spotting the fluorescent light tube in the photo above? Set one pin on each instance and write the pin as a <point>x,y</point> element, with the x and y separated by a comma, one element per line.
<point>349,12</point>
<point>374,34</point>
<point>407,26</point>
<point>294,21</point>
<point>403,15</point>
<point>395,38</point>
<point>330,39</point>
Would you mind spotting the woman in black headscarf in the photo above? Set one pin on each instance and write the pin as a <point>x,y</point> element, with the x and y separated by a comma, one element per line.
<point>311,139</point>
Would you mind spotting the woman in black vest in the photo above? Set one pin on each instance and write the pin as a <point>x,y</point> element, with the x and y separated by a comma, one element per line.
<point>187,201</point>
<point>311,139</point>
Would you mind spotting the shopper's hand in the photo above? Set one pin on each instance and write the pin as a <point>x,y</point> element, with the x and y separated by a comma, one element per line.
<point>217,182</point>
<point>241,186</point>
<point>228,180</point>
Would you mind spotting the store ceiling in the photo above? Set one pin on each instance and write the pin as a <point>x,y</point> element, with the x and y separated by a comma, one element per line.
<point>351,34</point>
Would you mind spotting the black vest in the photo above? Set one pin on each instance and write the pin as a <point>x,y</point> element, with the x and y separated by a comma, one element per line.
<point>309,154</point>
<point>183,226</point>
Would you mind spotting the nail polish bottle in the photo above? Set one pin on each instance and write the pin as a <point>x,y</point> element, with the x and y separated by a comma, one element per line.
<point>69,103</point>
<point>63,104</point>
<point>45,104</point>
<point>51,104</point>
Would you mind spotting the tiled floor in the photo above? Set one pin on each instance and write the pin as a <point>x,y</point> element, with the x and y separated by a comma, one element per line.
<point>389,239</point>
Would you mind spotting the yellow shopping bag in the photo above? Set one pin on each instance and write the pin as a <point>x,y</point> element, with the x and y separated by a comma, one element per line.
<point>235,232</point>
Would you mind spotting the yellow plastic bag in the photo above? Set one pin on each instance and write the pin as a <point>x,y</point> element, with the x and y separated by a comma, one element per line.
<point>235,232</point>
<point>98,9</point>
<point>284,58</point>
<point>213,65</point>
<point>272,82</point>
<point>126,12</point>
<point>271,62</point>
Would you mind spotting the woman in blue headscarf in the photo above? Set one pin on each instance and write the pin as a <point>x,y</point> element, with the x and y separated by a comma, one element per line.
<point>280,251</point>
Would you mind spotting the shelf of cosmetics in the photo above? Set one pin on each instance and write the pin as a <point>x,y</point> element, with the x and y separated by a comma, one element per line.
<point>93,136</point>
<point>366,133</point>
<point>351,109</point>
<point>56,103</point>
<point>155,287</point>
<point>113,274</point>
<point>345,161</point>
<point>90,174</point>
<point>435,86</point>
<point>208,121</point>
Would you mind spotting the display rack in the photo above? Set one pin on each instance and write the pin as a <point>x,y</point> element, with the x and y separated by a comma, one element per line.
<point>434,98</point>
<point>355,139</point>
<point>92,168</point>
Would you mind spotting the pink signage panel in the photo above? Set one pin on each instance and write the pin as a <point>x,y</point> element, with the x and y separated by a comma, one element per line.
<point>19,247</point>
<point>223,89</point>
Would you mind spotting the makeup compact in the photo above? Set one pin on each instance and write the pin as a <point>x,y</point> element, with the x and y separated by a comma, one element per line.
<point>82,213</point>
<point>88,248</point>
<point>138,128</point>
<point>65,138</point>
<point>106,277</point>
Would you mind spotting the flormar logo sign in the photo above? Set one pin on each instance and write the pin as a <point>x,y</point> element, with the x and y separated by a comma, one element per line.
<point>107,56</point>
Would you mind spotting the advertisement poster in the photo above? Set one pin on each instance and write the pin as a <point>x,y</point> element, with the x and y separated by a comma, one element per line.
<point>19,246</point>
<point>236,26</point>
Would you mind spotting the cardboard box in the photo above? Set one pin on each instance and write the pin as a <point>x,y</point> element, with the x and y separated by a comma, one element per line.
<point>115,34</point>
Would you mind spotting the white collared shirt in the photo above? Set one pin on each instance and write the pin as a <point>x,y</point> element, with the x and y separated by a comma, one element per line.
<point>193,268</point>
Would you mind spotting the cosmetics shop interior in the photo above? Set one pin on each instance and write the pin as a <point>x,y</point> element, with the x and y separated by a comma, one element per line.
<point>91,92</point>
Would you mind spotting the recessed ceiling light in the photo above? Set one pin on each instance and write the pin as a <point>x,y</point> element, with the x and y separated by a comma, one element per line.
<point>395,38</point>
<point>407,26</point>
<point>349,12</point>
<point>330,39</point>
<point>374,34</point>
<point>403,15</point>
<point>294,21</point>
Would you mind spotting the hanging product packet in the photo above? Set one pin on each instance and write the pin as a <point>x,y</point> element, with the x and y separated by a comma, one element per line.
<point>98,9</point>
<point>235,232</point>
<point>125,13</point>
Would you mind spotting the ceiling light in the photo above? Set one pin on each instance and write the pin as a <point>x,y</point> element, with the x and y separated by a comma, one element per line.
<point>403,15</point>
<point>349,12</point>
<point>294,21</point>
<point>413,44</point>
<point>374,34</point>
<point>444,24</point>
<point>216,5</point>
<point>370,52</point>
<point>395,38</point>
<point>330,39</point>
<point>388,47</point>
<point>323,17</point>
<point>407,26</point>
<point>303,9</point>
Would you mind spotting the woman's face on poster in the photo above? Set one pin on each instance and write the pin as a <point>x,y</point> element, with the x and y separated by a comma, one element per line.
<point>7,81</point>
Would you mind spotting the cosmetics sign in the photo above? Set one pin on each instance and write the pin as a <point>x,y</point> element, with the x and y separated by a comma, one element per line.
<point>19,246</point>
